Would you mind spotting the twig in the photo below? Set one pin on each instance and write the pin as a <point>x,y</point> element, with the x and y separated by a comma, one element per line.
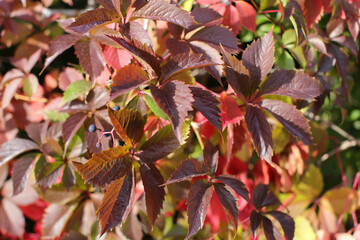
<point>29,99</point>
<point>343,146</point>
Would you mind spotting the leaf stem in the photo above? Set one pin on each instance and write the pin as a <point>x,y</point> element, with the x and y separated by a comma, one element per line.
<point>29,99</point>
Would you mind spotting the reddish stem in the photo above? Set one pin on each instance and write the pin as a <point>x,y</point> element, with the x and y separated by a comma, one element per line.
<point>271,11</point>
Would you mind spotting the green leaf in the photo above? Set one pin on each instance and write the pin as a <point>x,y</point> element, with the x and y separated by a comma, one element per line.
<point>268,3</point>
<point>150,101</point>
<point>75,90</point>
<point>303,229</point>
<point>56,116</point>
<point>31,83</point>
<point>284,60</point>
<point>311,183</point>
<point>48,169</point>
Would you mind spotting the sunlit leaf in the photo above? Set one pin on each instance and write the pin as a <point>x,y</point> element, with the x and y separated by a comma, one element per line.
<point>21,173</point>
<point>229,201</point>
<point>341,200</point>
<point>116,57</point>
<point>12,220</point>
<point>188,169</point>
<point>75,90</point>
<point>238,186</point>
<point>287,223</point>
<point>15,147</point>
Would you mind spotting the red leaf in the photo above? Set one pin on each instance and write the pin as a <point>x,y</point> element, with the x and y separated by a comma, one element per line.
<point>229,201</point>
<point>188,169</point>
<point>231,113</point>
<point>177,47</point>
<point>184,62</point>
<point>15,147</point>
<point>235,184</point>
<point>90,19</point>
<point>117,202</point>
<point>71,126</point>
<point>21,173</point>
<point>290,117</point>
<point>116,58</point>
<point>260,132</point>
<point>162,10</point>
<point>291,83</point>
<point>247,14</point>
<point>258,58</point>
<point>175,99</point>
<point>198,203</point>
<point>126,79</point>
<point>154,193</point>
<point>59,45</point>
<point>90,57</point>
<point>287,223</point>
<point>206,102</point>
<point>105,167</point>
<point>216,35</point>
<point>68,76</point>
<point>313,9</point>
<point>161,144</point>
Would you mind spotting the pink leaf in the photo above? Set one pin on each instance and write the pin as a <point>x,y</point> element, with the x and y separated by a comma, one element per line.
<point>116,58</point>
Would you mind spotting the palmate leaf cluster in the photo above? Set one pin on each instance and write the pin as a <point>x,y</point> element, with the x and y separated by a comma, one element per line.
<point>175,140</point>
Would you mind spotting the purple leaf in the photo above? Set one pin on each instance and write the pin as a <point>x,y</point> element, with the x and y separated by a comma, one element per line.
<point>255,222</point>
<point>268,228</point>
<point>237,185</point>
<point>342,59</point>
<point>262,196</point>
<point>290,117</point>
<point>188,169</point>
<point>335,27</point>
<point>154,193</point>
<point>287,223</point>
<point>164,11</point>
<point>37,131</point>
<point>135,30</point>
<point>258,58</point>
<point>176,46</point>
<point>175,99</point>
<point>229,201</point>
<point>260,132</point>
<point>291,83</point>
<point>161,144</point>
<point>90,57</point>
<point>113,5</point>
<point>9,92</point>
<point>21,173</point>
<point>198,203</point>
<point>97,98</point>
<point>347,42</point>
<point>71,126</point>
<point>117,202</point>
<point>15,147</point>
<point>59,45</point>
<point>206,102</point>
<point>184,62</point>
<point>211,157</point>
<point>216,35</point>
<point>206,16</point>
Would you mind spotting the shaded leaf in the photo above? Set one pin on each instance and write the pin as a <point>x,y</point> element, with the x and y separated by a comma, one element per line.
<point>287,223</point>
<point>15,147</point>
<point>75,90</point>
<point>291,83</point>
<point>198,203</point>
<point>129,124</point>
<point>21,173</point>
<point>116,57</point>
<point>176,46</point>
<point>188,169</point>
<point>12,220</point>
<point>117,202</point>
<point>255,222</point>
<point>154,193</point>
<point>162,10</point>
<point>161,144</point>
<point>237,185</point>
<point>229,201</point>
<point>37,131</point>
<point>97,98</point>
<point>216,35</point>
<point>268,228</point>
<point>90,19</point>
<point>290,117</point>
<point>71,126</point>
<point>262,196</point>
<point>211,157</point>
<point>137,31</point>
<point>206,102</point>
<point>183,62</point>
<point>258,58</point>
<point>175,99</point>
<point>126,79</point>
<point>341,200</point>
<point>90,57</point>
<point>55,219</point>
<point>105,167</point>
<point>260,132</point>
<point>49,169</point>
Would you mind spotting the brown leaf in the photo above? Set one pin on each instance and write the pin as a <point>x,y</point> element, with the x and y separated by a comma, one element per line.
<point>21,173</point>
<point>15,147</point>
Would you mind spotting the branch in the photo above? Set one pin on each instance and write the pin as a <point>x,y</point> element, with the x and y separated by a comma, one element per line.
<point>343,146</point>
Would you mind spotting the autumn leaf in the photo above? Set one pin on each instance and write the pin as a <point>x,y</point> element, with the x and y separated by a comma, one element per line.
<point>229,201</point>
<point>188,169</point>
<point>15,147</point>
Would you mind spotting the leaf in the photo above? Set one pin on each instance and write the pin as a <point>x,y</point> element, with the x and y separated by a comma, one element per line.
<point>287,223</point>
<point>75,90</point>
<point>12,220</point>
<point>291,83</point>
<point>113,5</point>
<point>341,200</point>
<point>151,103</point>
<point>206,102</point>
<point>312,12</point>
<point>188,169</point>
<point>290,117</point>
<point>15,147</point>
<point>216,36</point>
<point>116,57</point>
<point>105,167</point>
<point>71,126</point>
<point>117,202</point>
<point>229,201</point>
<point>67,76</point>
<point>137,31</point>
<point>198,203</point>
<point>161,144</point>
<point>31,84</point>
<point>59,45</point>
<point>311,184</point>
<point>262,196</point>
<point>255,222</point>
<point>183,62</point>
<point>258,58</point>
<point>162,10</point>
<point>154,193</point>
<point>206,16</point>
<point>97,98</point>
<point>55,219</point>
<point>90,19</point>
<point>49,169</point>
<point>21,173</point>
<point>268,228</point>
<point>175,99</point>
<point>129,124</point>
<point>211,157</point>
<point>9,92</point>
<point>238,186</point>
<point>260,132</point>
<point>126,79</point>
<point>90,57</point>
